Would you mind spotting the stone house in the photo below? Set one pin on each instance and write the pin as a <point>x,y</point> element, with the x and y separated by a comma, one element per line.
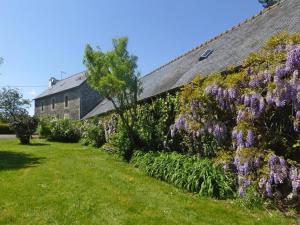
<point>214,56</point>
<point>68,98</point>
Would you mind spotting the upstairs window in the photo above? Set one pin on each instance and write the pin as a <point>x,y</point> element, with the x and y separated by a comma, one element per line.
<point>42,104</point>
<point>53,103</point>
<point>66,101</point>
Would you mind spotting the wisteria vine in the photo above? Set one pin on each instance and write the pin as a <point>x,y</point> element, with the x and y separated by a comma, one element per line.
<point>261,89</point>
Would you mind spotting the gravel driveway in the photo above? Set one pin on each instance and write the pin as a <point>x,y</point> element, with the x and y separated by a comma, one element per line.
<point>7,136</point>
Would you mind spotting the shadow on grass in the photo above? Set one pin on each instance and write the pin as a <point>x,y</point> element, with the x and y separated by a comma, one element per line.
<point>38,144</point>
<point>17,160</point>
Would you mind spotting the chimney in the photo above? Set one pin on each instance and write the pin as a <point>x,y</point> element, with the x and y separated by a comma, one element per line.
<point>52,81</point>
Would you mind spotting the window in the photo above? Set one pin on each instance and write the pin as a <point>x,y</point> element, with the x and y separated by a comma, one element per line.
<point>205,54</point>
<point>53,103</point>
<point>42,104</point>
<point>66,101</point>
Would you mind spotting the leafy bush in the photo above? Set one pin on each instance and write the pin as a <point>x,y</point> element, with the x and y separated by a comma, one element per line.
<point>121,141</point>
<point>43,129</point>
<point>152,127</point>
<point>4,129</point>
<point>154,120</point>
<point>93,133</point>
<point>24,126</point>
<point>190,173</point>
<point>64,130</point>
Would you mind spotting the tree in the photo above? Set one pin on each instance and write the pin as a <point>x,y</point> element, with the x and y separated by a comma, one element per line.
<point>268,3</point>
<point>12,104</point>
<point>114,75</point>
<point>24,127</point>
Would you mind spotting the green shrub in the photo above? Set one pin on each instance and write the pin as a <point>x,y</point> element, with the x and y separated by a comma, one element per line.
<point>24,126</point>
<point>93,134</point>
<point>64,130</point>
<point>190,173</point>
<point>251,200</point>
<point>4,129</point>
<point>154,120</point>
<point>121,141</point>
<point>43,129</point>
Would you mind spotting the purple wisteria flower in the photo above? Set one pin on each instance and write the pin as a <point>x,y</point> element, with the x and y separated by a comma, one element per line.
<point>250,139</point>
<point>261,105</point>
<point>293,59</point>
<point>255,83</point>
<point>295,178</point>
<point>298,114</point>
<point>232,93</point>
<point>239,140</point>
<point>280,72</point>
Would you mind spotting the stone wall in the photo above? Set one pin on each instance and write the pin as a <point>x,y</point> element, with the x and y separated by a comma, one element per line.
<point>72,111</point>
<point>89,99</point>
<point>81,100</point>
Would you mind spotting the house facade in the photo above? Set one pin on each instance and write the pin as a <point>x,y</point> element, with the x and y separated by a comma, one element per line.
<point>69,98</point>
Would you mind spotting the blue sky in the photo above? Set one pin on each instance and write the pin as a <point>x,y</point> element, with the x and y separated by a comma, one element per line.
<point>39,39</point>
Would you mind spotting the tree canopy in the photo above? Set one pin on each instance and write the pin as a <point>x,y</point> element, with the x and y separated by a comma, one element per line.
<point>114,75</point>
<point>268,3</point>
<point>12,104</point>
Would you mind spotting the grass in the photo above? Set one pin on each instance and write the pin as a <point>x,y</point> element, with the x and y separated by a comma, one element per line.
<point>54,183</point>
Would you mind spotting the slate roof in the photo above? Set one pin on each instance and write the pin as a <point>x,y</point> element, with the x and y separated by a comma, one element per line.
<point>62,85</point>
<point>229,49</point>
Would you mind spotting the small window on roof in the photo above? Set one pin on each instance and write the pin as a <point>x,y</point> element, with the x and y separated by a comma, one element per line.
<point>205,54</point>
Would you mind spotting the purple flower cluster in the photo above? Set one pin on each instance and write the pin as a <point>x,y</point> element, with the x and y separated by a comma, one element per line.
<point>224,97</point>
<point>181,123</point>
<point>295,178</point>
<point>195,107</point>
<point>243,140</point>
<point>293,59</point>
<point>244,168</point>
<point>217,129</point>
<point>280,48</point>
<point>278,173</point>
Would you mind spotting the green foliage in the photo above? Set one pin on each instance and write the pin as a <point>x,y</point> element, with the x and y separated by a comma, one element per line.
<point>190,173</point>
<point>251,200</point>
<point>24,126</point>
<point>154,120</point>
<point>152,126</point>
<point>61,130</point>
<point>114,75</point>
<point>123,144</point>
<point>93,133</point>
<point>4,129</point>
<point>12,104</point>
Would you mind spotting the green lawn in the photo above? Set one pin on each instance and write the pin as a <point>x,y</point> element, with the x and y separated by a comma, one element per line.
<point>53,183</point>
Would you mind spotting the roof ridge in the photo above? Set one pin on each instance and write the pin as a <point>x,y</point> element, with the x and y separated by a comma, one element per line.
<point>262,12</point>
<point>72,76</point>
